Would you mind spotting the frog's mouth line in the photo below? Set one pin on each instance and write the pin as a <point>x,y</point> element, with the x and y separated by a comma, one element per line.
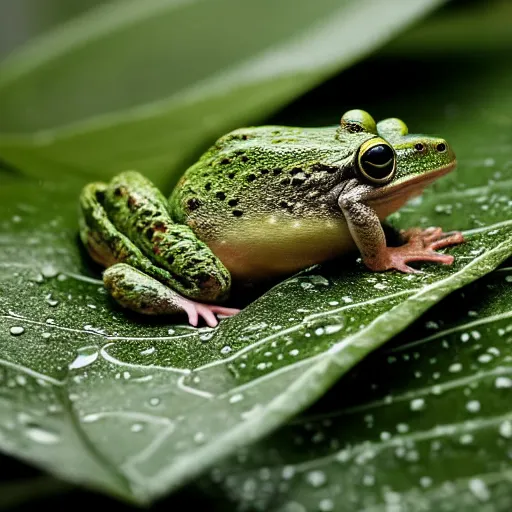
<point>410,187</point>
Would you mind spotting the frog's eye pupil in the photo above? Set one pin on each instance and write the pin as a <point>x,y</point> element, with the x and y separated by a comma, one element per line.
<point>378,162</point>
<point>441,147</point>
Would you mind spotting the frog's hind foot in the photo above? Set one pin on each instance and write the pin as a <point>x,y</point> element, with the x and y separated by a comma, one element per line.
<point>420,245</point>
<point>196,310</point>
<point>134,290</point>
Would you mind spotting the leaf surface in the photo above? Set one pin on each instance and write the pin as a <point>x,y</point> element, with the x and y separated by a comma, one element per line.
<point>423,424</point>
<point>77,372</point>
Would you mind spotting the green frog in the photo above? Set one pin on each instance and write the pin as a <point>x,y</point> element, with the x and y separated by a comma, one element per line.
<point>262,203</point>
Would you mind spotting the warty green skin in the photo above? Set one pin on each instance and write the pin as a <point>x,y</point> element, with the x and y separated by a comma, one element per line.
<point>261,202</point>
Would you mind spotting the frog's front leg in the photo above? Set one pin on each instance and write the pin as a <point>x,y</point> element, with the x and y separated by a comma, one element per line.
<point>138,292</point>
<point>366,229</point>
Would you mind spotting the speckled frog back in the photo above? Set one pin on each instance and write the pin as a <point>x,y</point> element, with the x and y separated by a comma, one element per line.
<point>265,189</point>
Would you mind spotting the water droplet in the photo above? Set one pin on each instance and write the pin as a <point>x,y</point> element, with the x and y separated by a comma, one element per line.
<point>294,352</point>
<point>49,270</point>
<point>85,357</point>
<point>473,406</point>
<point>316,478</point>
<point>425,481</point>
<point>147,351</point>
<point>225,350</point>
<point>417,404</point>
<point>199,437</point>
<point>506,429</point>
<point>402,428</point>
<point>236,398</point>
<point>154,401</point>
<point>137,427</point>
<point>455,367</point>
<point>293,506</point>
<point>21,380</point>
<point>484,358</point>
<point>16,330</point>
<point>464,337</point>
<point>326,505</point>
<point>41,435</point>
<point>466,439</point>
<point>503,382</point>
<point>288,472</point>
<point>90,418</point>
<point>368,480</point>
<point>479,489</point>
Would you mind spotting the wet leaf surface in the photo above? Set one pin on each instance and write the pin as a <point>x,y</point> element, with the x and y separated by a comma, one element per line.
<point>423,424</point>
<point>77,372</point>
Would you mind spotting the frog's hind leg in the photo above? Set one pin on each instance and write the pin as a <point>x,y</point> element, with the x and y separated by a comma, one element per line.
<point>141,293</point>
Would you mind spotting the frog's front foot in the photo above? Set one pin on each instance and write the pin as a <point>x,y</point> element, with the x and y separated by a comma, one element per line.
<point>421,245</point>
<point>195,310</point>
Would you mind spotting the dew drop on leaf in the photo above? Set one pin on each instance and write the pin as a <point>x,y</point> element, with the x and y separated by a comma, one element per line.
<point>41,435</point>
<point>316,478</point>
<point>417,404</point>
<point>506,429</point>
<point>503,382</point>
<point>16,330</point>
<point>479,489</point>
<point>85,357</point>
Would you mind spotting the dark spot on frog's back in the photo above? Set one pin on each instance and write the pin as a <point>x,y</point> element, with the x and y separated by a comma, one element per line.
<point>324,168</point>
<point>221,196</point>
<point>193,204</point>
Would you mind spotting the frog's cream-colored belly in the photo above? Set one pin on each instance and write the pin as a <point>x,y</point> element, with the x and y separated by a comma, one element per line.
<point>269,247</point>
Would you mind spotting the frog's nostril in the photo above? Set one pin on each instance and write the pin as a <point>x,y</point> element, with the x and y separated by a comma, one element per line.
<point>441,147</point>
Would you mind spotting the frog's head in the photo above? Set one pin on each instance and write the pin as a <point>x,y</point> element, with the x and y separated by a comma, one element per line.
<point>390,159</point>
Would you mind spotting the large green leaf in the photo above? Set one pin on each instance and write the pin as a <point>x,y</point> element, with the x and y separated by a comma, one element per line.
<point>138,407</point>
<point>77,373</point>
<point>424,424</point>
<point>145,84</point>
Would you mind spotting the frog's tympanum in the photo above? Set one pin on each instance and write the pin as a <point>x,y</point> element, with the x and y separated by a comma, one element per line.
<point>263,202</point>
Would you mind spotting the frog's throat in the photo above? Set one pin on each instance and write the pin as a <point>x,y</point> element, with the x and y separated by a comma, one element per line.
<point>408,188</point>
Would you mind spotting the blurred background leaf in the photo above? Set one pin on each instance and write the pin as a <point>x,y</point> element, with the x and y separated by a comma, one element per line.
<point>144,84</point>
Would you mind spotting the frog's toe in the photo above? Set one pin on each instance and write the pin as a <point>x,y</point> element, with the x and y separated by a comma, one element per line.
<point>196,310</point>
<point>432,238</point>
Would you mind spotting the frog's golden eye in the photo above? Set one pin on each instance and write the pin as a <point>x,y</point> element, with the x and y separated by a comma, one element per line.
<point>377,161</point>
